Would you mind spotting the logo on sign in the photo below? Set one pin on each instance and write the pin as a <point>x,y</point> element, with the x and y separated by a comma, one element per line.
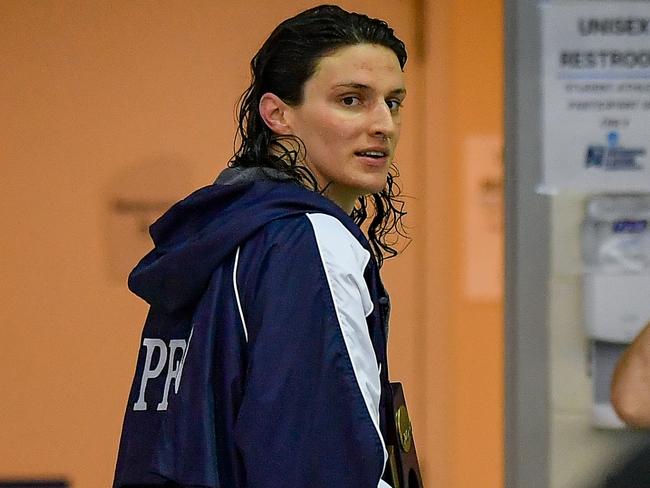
<point>629,226</point>
<point>613,156</point>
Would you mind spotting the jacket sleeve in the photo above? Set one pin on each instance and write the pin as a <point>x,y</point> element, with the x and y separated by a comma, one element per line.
<point>310,411</point>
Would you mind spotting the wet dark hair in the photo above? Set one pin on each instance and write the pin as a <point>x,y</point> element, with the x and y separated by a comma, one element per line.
<point>289,58</point>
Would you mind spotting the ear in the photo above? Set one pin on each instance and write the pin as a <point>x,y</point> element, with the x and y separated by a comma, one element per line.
<point>273,112</point>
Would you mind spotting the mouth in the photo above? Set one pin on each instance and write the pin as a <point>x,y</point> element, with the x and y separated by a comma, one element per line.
<point>373,157</point>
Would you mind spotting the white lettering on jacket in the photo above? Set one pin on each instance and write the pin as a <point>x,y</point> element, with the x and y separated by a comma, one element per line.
<point>167,357</point>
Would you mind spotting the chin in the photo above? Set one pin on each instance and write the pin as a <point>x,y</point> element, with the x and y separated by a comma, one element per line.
<point>369,190</point>
<point>358,187</point>
<point>374,186</point>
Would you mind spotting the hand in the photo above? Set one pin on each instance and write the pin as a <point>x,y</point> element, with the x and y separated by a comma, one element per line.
<point>630,389</point>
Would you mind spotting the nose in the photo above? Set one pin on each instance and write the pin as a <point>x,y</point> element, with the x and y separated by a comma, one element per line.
<point>383,123</point>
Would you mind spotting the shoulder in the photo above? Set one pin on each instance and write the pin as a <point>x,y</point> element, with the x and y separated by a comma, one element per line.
<point>344,261</point>
<point>337,245</point>
<point>299,240</point>
<point>321,230</point>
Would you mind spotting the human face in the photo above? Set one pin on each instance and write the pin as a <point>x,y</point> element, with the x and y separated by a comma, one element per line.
<point>349,120</point>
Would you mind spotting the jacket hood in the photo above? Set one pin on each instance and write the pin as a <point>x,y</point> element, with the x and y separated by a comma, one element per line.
<point>196,234</point>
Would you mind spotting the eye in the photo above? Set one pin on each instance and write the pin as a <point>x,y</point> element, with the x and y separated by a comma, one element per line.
<point>350,101</point>
<point>394,104</point>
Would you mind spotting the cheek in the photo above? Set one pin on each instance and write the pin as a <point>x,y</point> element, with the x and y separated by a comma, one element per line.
<point>332,127</point>
<point>329,124</point>
<point>327,134</point>
<point>397,132</point>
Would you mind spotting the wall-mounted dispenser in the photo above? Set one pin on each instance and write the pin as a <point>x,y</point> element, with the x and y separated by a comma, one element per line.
<point>616,285</point>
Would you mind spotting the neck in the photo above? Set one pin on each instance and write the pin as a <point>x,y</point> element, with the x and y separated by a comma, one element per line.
<point>341,198</point>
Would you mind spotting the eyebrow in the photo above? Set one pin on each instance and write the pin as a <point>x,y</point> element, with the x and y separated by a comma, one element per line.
<point>361,86</point>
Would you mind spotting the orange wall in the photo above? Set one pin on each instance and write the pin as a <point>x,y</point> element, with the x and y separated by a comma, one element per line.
<point>477,327</point>
<point>94,90</point>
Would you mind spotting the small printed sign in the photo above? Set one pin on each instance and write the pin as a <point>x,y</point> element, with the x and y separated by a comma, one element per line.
<point>483,218</point>
<point>596,96</point>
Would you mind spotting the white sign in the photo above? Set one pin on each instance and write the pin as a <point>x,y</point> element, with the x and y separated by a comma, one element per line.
<point>596,96</point>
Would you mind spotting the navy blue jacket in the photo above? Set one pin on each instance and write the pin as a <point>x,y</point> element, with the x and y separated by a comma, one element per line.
<point>263,356</point>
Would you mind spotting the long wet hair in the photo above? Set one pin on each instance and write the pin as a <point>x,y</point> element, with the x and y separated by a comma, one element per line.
<point>282,66</point>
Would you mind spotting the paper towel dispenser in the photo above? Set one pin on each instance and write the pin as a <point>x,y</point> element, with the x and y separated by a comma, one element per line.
<point>616,287</point>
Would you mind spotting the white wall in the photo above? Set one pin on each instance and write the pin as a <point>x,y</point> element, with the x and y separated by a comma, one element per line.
<point>580,454</point>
